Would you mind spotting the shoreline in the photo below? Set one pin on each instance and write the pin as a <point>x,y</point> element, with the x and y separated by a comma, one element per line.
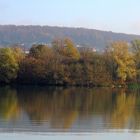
<point>132,85</point>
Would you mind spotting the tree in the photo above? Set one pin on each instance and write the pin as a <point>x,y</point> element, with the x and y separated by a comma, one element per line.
<point>66,48</point>
<point>122,61</point>
<point>41,52</point>
<point>8,65</point>
<point>32,70</point>
<point>18,54</point>
<point>136,51</point>
<point>49,64</point>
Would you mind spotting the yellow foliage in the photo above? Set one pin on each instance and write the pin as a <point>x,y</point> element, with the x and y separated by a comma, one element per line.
<point>66,48</point>
<point>124,60</point>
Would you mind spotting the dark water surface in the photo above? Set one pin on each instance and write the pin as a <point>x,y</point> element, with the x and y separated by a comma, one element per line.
<point>67,113</point>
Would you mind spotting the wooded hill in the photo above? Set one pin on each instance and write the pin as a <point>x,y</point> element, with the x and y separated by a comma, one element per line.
<point>28,35</point>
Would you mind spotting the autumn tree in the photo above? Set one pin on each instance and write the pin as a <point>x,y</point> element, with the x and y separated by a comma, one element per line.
<point>66,48</point>
<point>18,54</point>
<point>41,52</point>
<point>32,71</point>
<point>121,61</point>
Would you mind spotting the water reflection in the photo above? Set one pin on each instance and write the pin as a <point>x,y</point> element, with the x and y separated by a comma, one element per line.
<point>40,109</point>
<point>9,106</point>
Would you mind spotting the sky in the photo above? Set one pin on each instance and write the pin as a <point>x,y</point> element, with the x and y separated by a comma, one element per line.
<point>109,15</point>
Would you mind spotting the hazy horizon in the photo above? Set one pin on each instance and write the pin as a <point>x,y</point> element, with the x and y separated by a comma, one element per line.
<point>116,16</point>
<point>74,27</point>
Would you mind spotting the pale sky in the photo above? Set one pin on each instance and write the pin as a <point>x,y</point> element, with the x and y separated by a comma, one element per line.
<point>110,15</point>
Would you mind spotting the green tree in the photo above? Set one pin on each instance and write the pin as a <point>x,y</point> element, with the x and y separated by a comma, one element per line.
<point>136,51</point>
<point>8,65</point>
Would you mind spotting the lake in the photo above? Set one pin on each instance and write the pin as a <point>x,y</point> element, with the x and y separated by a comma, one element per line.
<point>69,113</point>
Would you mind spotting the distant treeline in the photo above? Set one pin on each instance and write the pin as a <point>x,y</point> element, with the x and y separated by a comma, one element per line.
<point>63,64</point>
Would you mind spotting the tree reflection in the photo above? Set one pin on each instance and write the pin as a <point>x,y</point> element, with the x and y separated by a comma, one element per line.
<point>61,108</point>
<point>9,107</point>
<point>124,109</point>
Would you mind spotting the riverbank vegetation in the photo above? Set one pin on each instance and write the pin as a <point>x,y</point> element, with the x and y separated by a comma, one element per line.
<point>64,64</point>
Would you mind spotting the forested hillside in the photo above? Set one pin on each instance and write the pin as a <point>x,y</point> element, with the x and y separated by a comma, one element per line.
<point>28,35</point>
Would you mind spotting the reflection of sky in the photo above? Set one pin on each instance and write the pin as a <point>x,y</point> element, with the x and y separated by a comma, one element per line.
<point>24,124</point>
<point>98,136</point>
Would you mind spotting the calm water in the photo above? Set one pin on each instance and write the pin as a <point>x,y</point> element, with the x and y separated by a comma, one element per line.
<point>66,113</point>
